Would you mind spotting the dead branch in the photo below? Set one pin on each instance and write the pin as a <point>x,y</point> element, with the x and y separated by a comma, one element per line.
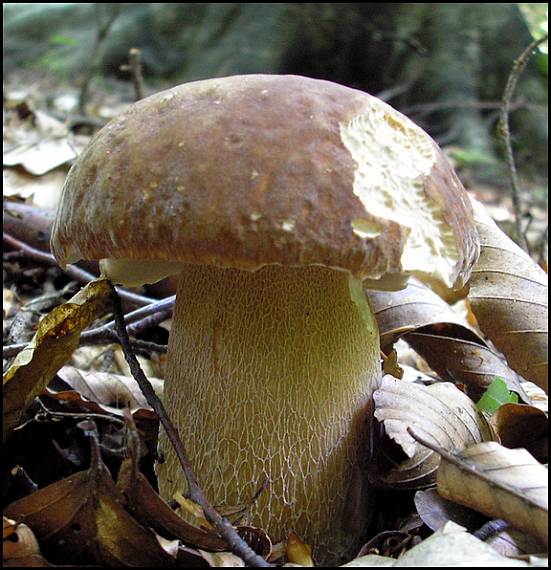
<point>137,321</point>
<point>72,271</point>
<point>505,135</point>
<point>134,66</point>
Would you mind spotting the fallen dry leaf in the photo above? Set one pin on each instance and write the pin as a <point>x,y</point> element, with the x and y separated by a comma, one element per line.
<point>222,559</point>
<point>85,512</point>
<point>463,361</point>
<point>452,545</point>
<point>40,157</point>
<point>50,348</point>
<point>410,309</point>
<point>537,396</point>
<point>42,191</point>
<point>449,345</point>
<point>112,392</point>
<point>19,540</point>
<point>298,552</point>
<point>501,483</point>
<point>39,142</point>
<point>391,366</point>
<point>440,412</point>
<point>435,511</point>
<point>512,542</point>
<point>518,425</point>
<point>10,307</point>
<point>508,294</point>
<point>148,507</point>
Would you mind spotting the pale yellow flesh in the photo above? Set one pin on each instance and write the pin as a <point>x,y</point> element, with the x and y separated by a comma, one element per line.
<point>269,375</point>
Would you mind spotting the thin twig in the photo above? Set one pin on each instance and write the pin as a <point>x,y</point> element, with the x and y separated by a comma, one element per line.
<point>72,271</point>
<point>224,528</point>
<point>435,106</point>
<point>505,134</point>
<point>11,350</point>
<point>78,415</point>
<point>490,529</point>
<point>134,66</point>
<point>21,327</point>
<point>163,307</point>
<point>93,338</point>
<point>23,476</point>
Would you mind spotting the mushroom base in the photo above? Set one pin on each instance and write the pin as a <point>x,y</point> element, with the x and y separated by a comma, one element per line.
<point>269,378</point>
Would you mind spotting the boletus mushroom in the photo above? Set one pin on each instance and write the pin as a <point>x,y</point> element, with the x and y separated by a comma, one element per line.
<point>275,199</point>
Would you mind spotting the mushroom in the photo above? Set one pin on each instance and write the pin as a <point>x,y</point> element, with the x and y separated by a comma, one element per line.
<point>275,199</point>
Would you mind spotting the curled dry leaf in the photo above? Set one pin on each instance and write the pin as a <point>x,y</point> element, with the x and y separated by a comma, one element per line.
<point>298,552</point>
<point>501,483</point>
<point>151,510</point>
<point>112,392</point>
<point>538,397</point>
<point>452,545</point>
<point>508,294</point>
<point>85,512</point>
<point>463,361</point>
<point>41,157</point>
<point>440,412</point>
<point>39,142</point>
<point>42,191</point>
<point>512,542</point>
<point>222,559</point>
<point>50,348</point>
<point>407,310</point>
<point>19,540</point>
<point>523,426</point>
<point>435,511</point>
<point>450,346</point>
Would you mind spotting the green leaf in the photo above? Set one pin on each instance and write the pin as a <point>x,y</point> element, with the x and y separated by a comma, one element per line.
<point>61,40</point>
<point>495,396</point>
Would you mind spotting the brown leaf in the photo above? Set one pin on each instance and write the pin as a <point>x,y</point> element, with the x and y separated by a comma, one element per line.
<point>148,507</point>
<point>463,361</point>
<point>298,552</point>
<point>512,542</point>
<point>412,308</point>
<point>518,425</point>
<point>19,540</point>
<point>42,191</point>
<point>31,561</point>
<point>449,345</point>
<point>50,348</point>
<point>222,559</point>
<point>435,511</point>
<point>391,366</point>
<point>501,483</point>
<point>441,413</point>
<point>112,392</point>
<point>85,512</point>
<point>508,294</point>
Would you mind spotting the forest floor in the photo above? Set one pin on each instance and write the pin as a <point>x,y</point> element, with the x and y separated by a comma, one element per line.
<point>43,133</point>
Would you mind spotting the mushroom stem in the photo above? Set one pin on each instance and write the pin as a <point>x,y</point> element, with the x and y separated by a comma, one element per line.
<point>269,377</point>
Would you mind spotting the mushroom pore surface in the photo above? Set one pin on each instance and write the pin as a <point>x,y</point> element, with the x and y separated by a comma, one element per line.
<point>269,378</point>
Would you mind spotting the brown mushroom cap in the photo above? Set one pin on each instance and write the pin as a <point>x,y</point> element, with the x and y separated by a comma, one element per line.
<point>253,170</point>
